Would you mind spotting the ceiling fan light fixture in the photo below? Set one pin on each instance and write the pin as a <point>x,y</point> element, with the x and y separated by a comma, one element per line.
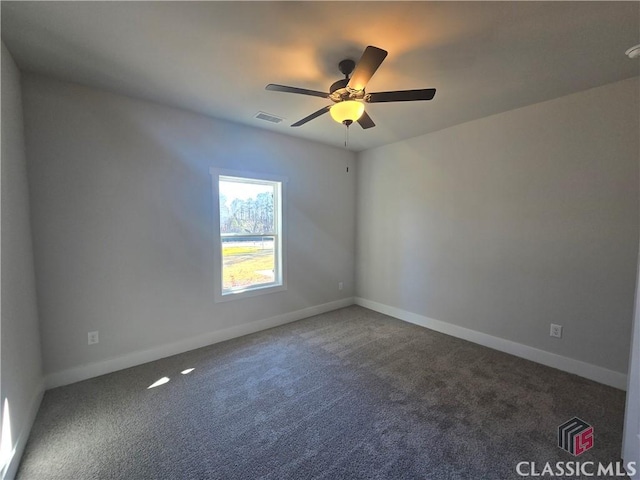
<point>347,111</point>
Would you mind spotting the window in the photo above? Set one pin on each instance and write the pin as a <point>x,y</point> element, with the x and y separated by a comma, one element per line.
<point>248,214</point>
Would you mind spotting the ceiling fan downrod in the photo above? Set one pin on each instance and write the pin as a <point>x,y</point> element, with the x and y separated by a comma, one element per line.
<point>346,67</point>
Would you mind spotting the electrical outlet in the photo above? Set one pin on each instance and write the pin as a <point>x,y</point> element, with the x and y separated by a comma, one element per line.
<point>556,330</point>
<point>93,338</point>
<point>340,285</point>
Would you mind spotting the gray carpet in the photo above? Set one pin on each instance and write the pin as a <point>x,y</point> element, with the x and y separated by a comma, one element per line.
<point>349,394</point>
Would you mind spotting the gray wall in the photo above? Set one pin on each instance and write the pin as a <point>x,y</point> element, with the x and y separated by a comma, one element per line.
<point>122,217</point>
<point>21,372</point>
<point>509,223</point>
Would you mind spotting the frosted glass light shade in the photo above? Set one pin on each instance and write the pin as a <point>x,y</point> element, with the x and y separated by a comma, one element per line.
<point>347,110</point>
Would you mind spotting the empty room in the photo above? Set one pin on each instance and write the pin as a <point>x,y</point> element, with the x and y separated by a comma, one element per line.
<point>319,240</point>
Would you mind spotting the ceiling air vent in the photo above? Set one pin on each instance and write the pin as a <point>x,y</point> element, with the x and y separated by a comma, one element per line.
<point>268,117</point>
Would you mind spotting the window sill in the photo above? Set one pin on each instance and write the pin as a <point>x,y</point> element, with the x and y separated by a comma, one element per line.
<point>253,292</point>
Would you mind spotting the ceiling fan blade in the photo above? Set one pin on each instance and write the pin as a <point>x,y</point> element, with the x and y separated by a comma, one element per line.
<point>366,67</point>
<point>365,121</point>
<point>401,96</point>
<point>301,91</point>
<point>322,111</point>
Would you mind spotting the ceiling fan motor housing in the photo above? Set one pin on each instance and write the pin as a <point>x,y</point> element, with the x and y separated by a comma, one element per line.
<point>338,92</point>
<point>339,85</point>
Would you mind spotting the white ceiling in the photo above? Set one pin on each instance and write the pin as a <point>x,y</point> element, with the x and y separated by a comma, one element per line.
<point>216,57</point>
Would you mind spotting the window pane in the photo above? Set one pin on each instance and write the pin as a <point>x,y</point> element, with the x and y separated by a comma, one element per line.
<point>247,262</point>
<point>246,207</point>
<point>251,242</point>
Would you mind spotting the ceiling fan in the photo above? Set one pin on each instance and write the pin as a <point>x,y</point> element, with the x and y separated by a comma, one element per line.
<point>349,93</point>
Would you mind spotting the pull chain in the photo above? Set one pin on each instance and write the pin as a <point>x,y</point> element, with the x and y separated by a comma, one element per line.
<point>346,141</point>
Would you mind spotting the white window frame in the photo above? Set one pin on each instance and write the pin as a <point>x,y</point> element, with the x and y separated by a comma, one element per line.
<point>279,245</point>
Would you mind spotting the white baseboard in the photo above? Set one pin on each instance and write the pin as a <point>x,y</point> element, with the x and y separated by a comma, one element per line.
<point>570,365</point>
<point>21,440</point>
<point>83,372</point>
